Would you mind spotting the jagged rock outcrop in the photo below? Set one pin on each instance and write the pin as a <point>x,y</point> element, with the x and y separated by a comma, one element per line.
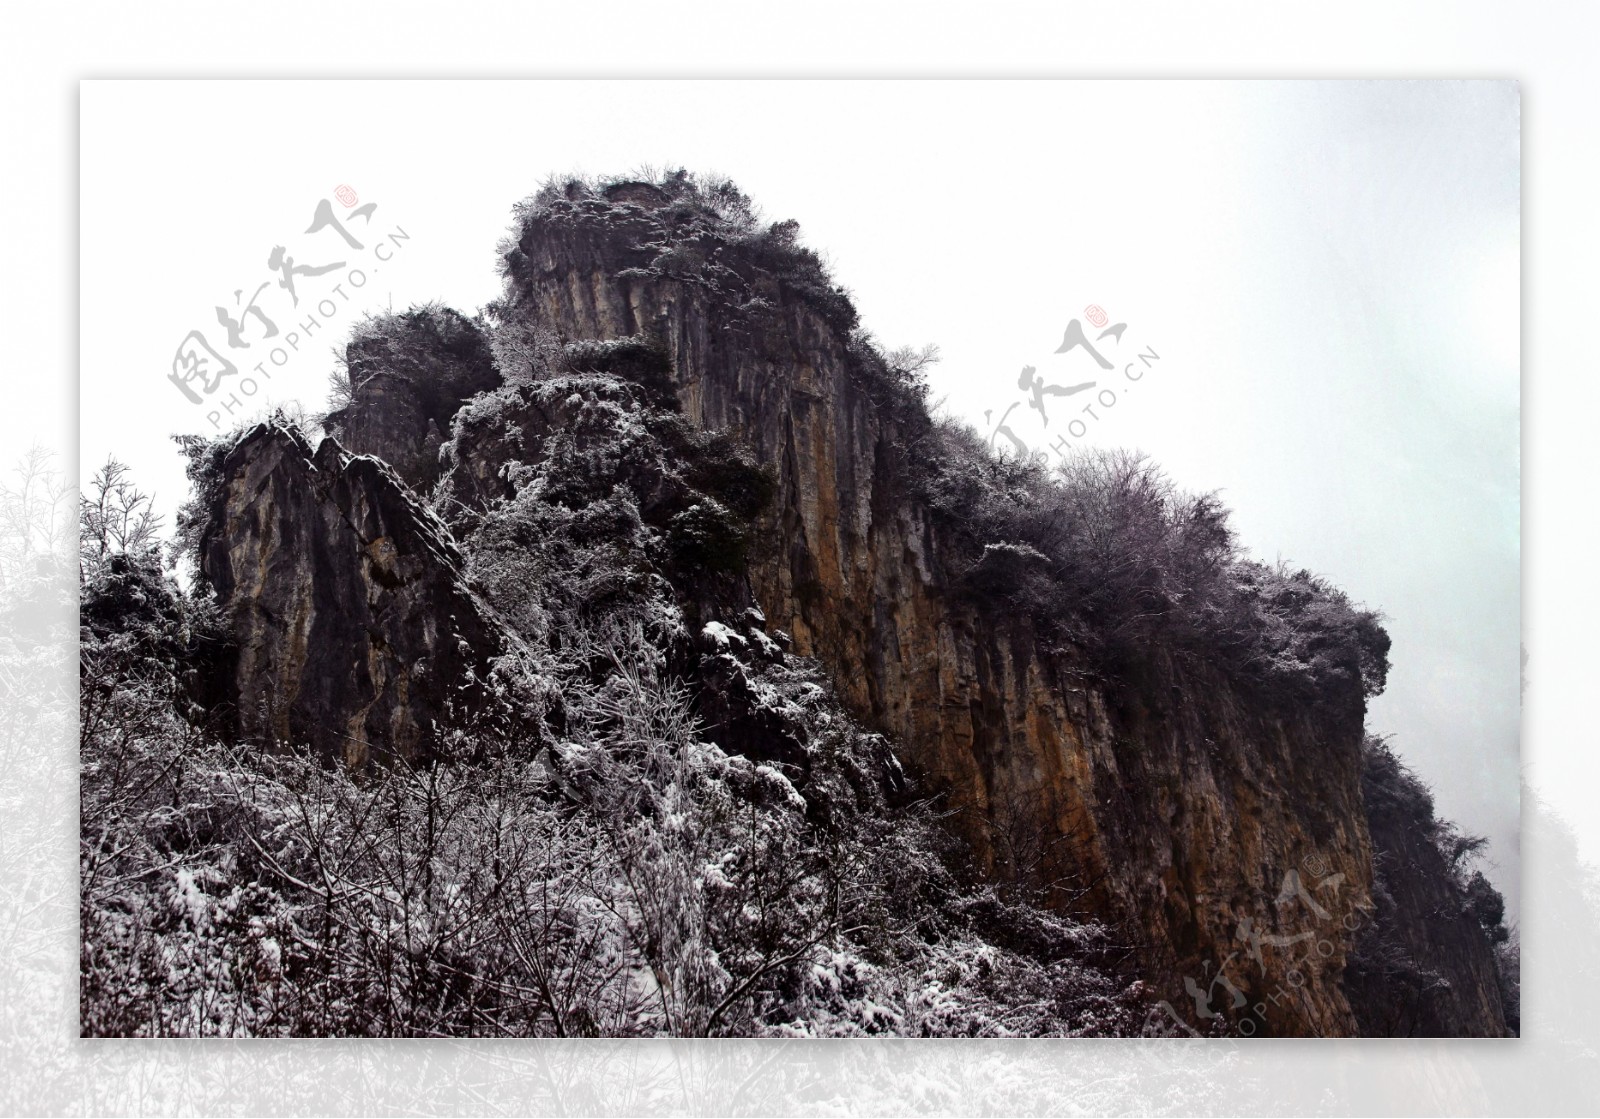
<point>1180,801</point>
<point>352,629</point>
<point>406,381</point>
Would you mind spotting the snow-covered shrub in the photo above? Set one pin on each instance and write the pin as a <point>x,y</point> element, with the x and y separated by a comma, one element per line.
<point>1112,559</point>
<point>588,469</point>
<point>637,879</point>
<point>443,354</point>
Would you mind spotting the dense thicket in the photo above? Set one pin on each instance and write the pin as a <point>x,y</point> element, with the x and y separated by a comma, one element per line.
<point>706,843</point>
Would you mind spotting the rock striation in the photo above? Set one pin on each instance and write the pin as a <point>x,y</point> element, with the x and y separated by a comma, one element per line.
<point>351,627</point>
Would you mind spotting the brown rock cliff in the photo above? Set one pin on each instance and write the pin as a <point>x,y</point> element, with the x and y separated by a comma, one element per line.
<point>1178,800</point>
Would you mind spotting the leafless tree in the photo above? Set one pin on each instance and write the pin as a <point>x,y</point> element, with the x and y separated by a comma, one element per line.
<point>33,517</point>
<point>115,517</point>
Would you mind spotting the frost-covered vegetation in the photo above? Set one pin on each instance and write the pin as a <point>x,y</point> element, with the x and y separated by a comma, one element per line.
<point>1429,900</point>
<point>1110,558</point>
<point>440,351</point>
<point>702,842</point>
<point>637,879</point>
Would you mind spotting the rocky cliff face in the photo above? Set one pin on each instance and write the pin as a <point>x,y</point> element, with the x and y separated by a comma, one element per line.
<point>351,627</point>
<point>1220,828</point>
<point>1177,801</point>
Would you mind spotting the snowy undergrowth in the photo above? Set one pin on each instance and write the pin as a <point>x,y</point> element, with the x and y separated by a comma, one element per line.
<point>703,842</point>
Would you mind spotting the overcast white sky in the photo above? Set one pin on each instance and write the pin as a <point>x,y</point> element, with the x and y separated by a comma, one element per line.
<point>1329,272</point>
